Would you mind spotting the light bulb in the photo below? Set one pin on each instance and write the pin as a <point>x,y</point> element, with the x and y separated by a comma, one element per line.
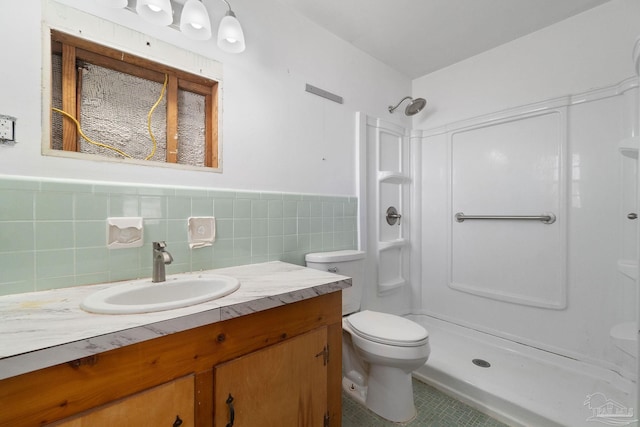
<point>230,35</point>
<point>194,21</point>
<point>158,12</point>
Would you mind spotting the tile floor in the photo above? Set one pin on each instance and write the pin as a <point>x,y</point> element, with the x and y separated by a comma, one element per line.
<point>435,409</point>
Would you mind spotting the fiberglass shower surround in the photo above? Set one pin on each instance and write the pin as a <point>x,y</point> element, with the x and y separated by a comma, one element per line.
<point>565,286</point>
<point>553,286</point>
<point>515,246</point>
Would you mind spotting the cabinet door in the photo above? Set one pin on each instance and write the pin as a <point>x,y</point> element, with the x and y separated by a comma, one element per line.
<point>157,407</point>
<point>281,385</point>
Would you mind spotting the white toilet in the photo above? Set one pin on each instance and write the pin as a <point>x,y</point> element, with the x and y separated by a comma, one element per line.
<point>379,350</point>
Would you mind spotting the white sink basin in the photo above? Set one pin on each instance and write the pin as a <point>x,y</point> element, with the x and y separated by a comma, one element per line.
<point>143,296</point>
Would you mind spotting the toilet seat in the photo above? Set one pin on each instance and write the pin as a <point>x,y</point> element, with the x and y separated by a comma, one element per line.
<point>387,329</point>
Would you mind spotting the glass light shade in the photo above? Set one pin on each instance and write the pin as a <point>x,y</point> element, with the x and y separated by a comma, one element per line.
<point>230,35</point>
<point>194,21</point>
<point>116,4</point>
<point>155,11</point>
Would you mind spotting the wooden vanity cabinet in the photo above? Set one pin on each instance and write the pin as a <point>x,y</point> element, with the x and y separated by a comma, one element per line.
<point>281,385</point>
<point>170,404</point>
<point>282,367</point>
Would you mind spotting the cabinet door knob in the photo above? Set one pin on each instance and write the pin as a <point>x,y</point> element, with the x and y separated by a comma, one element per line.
<point>632,215</point>
<point>232,413</point>
<point>177,422</point>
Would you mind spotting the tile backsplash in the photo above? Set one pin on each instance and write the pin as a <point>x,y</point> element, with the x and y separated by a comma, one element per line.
<point>53,233</point>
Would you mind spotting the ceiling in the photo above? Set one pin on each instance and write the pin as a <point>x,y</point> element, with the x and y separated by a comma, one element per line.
<point>417,37</point>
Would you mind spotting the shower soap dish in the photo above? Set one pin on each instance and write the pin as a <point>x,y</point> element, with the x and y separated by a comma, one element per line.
<point>124,232</point>
<point>202,231</point>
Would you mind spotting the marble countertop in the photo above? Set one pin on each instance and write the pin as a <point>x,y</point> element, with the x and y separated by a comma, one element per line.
<point>42,329</point>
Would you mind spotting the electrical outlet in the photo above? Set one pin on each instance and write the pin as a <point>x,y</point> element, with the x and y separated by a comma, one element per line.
<point>7,129</point>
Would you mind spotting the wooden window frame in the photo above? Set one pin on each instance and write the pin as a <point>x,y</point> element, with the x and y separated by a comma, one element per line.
<point>75,49</point>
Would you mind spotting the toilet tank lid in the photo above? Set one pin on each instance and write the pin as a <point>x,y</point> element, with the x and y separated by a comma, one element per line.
<point>335,256</point>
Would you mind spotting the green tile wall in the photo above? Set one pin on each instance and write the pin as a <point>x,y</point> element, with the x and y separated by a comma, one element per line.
<point>53,233</point>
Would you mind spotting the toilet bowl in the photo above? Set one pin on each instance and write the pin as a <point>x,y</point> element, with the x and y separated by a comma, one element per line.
<point>379,350</point>
<point>391,347</point>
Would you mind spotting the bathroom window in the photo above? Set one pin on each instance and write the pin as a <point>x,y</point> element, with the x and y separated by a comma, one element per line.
<point>114,105</point>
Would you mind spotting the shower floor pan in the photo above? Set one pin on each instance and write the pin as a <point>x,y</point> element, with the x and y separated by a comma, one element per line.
<point>523,386</point>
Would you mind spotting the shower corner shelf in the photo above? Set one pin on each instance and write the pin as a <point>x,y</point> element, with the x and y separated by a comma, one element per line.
<point>398,243</point>
<point>628,267</point>
<point>629,147</point>
<point>391,285</point>
<point>625,337</point>
<point>392,177</point>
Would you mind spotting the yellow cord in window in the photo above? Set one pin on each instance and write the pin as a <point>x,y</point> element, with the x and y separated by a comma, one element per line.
<point>153,138</point>
<point>89,140</point>
<point>109,147</point>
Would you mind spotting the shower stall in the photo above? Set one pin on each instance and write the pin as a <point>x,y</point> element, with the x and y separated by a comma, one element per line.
<point>515,243</point>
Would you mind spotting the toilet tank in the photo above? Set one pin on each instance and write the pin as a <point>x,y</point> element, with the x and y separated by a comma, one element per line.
<point>347,263</point>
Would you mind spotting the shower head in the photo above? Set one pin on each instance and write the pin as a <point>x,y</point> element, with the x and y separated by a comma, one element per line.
<point>414,107</point>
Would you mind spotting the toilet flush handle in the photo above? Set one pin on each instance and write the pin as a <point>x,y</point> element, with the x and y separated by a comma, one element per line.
<point>332,269</point>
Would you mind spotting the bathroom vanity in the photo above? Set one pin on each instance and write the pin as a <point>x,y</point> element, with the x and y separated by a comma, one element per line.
<point>267,355</point>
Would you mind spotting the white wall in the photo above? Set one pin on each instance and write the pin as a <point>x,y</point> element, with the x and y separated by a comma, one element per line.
<point>276,137</point>
<point>590,50</point>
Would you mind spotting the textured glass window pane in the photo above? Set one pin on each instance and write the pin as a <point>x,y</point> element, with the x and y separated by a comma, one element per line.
<point>56,101</point>
<point>191,131</point>
<point>114,111</point>
<point>113,107</point>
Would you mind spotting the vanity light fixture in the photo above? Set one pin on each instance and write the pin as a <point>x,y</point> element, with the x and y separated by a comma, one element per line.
<point>116,4</point>
<point>157,12</point>
<point>230,35</point>
<point>194,22</point>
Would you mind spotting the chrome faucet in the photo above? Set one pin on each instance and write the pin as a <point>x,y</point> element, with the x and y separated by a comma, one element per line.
<point>160,258</point>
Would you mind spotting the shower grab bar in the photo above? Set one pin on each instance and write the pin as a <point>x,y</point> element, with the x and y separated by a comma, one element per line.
<point>547,218</point>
